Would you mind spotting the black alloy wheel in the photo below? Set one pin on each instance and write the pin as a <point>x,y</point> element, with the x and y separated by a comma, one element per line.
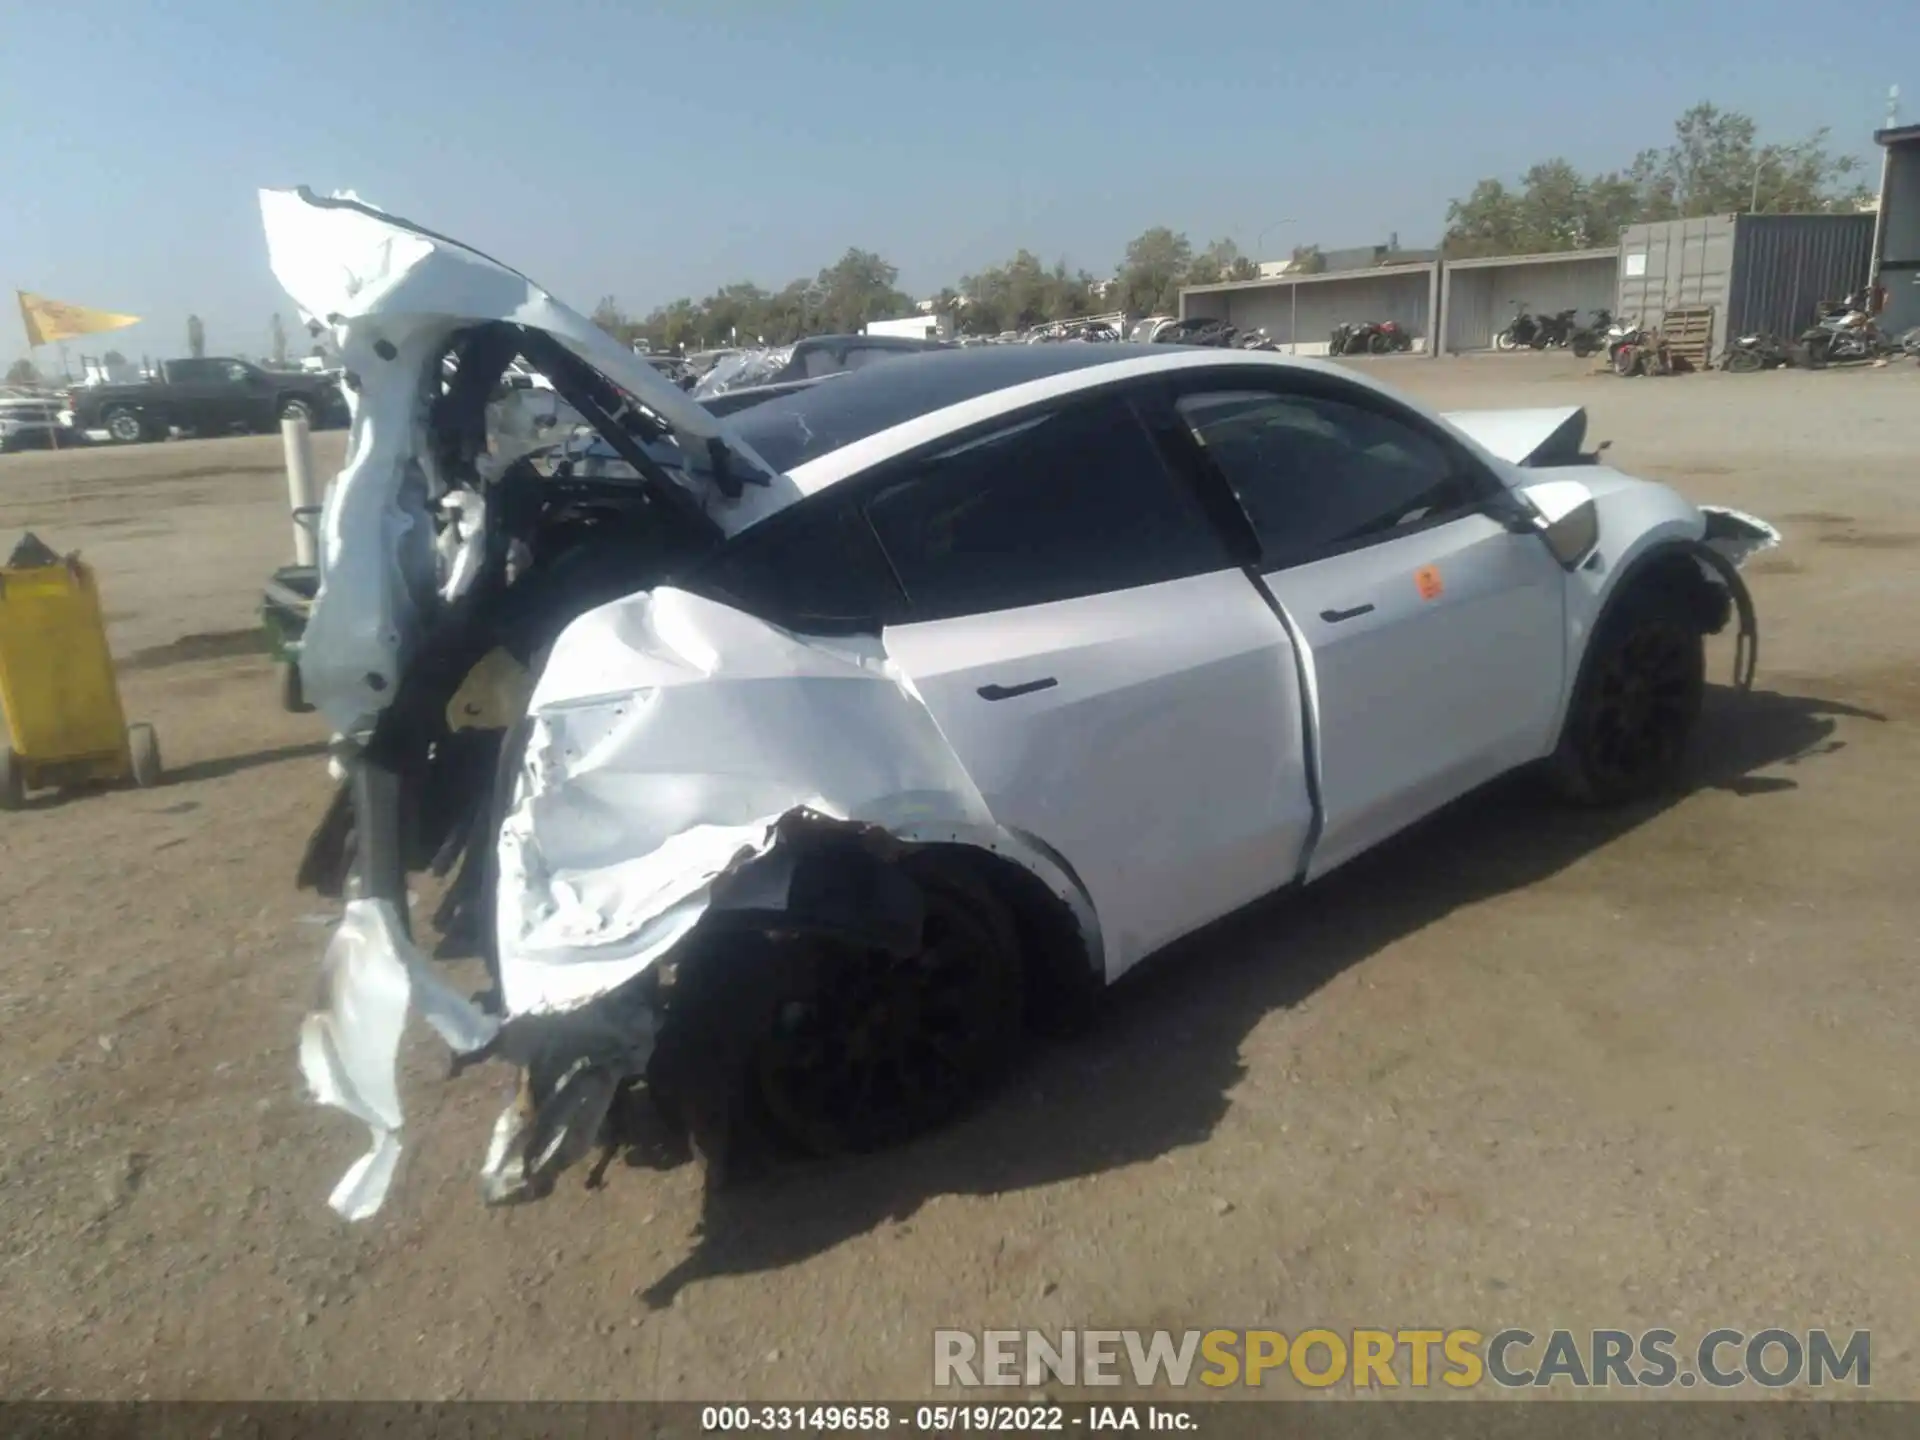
<point>1627,736</point>
<point>874,1049</point>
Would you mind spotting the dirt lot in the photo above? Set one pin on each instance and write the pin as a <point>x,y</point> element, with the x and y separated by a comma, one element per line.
<point>1523,1068</point>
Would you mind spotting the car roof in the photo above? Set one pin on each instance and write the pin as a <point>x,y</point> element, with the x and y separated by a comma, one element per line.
<point>793,430</point>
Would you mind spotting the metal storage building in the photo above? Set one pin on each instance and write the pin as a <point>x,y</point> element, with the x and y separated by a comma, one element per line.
<point>1758,272</point>
<point>1478,297</point>
<point>1300,312</point>
<point>1897,254</point>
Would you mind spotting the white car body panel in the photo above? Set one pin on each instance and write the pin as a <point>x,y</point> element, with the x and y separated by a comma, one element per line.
<point>1197,670</point>
<point>1424,696</point>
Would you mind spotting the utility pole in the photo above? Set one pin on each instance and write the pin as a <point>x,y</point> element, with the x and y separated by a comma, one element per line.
<point>1880,205</point>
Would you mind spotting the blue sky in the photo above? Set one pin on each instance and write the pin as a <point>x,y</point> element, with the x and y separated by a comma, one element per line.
<point>655,150</point>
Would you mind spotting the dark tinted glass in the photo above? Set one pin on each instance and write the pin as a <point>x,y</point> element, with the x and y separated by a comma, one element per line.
<point>1317,474</point>
<point>814,568</point>
<point>1075,503</point>
<point>792,429</point>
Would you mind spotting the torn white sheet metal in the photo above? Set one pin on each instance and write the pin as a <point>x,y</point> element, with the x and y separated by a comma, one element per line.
<point>1737,535</point>
<point>669,734</point>
<point>350,1047</point>
<point>1549,435</point>
<point>394,296</point>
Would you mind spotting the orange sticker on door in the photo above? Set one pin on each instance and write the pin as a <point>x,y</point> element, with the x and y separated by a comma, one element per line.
<point>1427,581</point>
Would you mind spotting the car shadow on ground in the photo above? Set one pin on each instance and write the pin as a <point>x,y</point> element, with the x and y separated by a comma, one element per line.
<point>1155,1070</point>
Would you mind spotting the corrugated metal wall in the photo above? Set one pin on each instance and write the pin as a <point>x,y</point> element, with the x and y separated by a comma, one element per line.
<point>1900,243</point>
<point>1784,265</point>
<point>1671,263</point>
<point>1481,300</point>
<point>1322,304</point>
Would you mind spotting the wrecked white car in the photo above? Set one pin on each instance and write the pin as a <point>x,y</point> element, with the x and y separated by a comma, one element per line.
<point>787,764</point>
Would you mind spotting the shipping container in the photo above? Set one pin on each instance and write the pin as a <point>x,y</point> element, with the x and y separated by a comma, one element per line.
<point>1757,272</point>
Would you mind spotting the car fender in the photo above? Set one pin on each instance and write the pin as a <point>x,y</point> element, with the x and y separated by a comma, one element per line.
<point>1642,524</point>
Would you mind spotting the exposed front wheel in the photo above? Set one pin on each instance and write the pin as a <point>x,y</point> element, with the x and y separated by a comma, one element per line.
<point>1639,700</point>
<point>1627,361</point>
<point>1505,341</point>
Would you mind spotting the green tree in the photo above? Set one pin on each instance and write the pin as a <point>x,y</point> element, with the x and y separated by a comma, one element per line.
<point>113,357</point>
<point>1221,260</point>
<point>22,372</point>
<point>616,322</point>
<point>1714,166</point>
<point>1309,260</point>
<point>1152,271</point>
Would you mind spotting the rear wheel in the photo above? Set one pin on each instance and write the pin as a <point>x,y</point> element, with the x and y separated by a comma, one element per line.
<point>126,426</point>
<point>144,744</point>
<point>13,780</point>
<point>1583,346</point>
<point>1819,352</point>
<point>1742,362</point>
<point>1639,700</point>
<point>869,1050</point>
<point>1627,361</point>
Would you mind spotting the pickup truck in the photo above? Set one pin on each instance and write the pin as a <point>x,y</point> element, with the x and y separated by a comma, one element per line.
<point>210,396</point>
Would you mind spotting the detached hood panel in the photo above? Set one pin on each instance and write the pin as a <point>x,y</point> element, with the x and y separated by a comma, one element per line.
<point>342,260</point>
<point>1547,436</point>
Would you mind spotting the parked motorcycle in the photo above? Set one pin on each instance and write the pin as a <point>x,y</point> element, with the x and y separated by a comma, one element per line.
<point>1591,338</point>
<point>1555,331</point>
<point>1340,337</point>
<point>1759,351</point>
<point>1520,330</point>
<point>1843,334</point>
<point>1387,338</point>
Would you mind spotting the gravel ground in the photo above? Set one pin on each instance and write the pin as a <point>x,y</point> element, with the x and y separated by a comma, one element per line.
<point>1522,1067</point>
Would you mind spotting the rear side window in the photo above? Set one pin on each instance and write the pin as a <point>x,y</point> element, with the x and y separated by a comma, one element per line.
<point>1074,503</point>
<point>815,568</point>
<point>1318,475</point>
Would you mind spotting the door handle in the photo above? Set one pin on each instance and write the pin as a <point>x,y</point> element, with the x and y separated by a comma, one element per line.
<point>1009,692</point>
<point>1334,617</point>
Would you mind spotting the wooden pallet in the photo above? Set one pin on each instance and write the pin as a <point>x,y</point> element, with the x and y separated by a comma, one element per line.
<point>1688,331</point>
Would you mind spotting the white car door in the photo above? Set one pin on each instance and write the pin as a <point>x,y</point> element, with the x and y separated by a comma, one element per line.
<point>1115,685</point>
<point>1434,634</point>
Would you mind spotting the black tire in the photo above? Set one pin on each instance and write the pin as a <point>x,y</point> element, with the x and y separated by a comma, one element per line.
<point>1627,361</point>
<point>13,780</point>
<point>1742,362</point>
<point>1539,341</point>
<point>1583,346</point>
<point>1819,352</point>
<point>1637,703</point>
<point>1379,343</point>
<point>293,693</point>
<point>125,426</point>
<point>144,745</point>
<point>1505,340</point>
<point>877,1050</point>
